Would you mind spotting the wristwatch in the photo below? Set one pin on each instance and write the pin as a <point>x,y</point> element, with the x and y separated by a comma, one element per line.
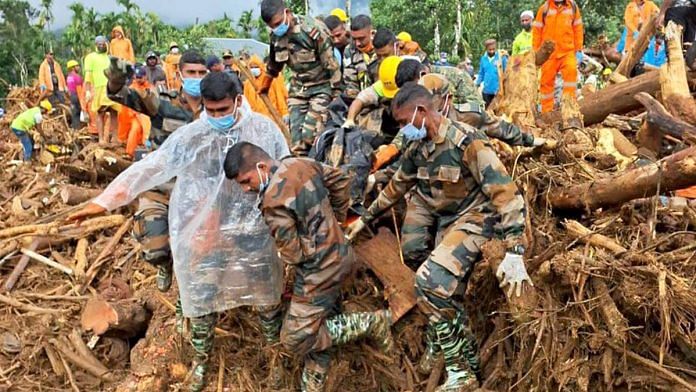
<point>517,249</point>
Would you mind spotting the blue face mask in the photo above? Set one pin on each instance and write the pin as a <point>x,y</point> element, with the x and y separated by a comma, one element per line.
<point>192,86</point>
<point>256,72</point>
<point>282,28</point>
<point>223,123</point>
<point>411,132</point>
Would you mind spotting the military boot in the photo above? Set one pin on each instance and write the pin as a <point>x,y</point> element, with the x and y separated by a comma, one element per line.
<point>345,328</point>
<point>202,337</point>
<point>312,381</point>
<point>456,349</point>
<point>432,351</point>
<point>179,316</point>
<point>271,321</point>
<point>164,277</point>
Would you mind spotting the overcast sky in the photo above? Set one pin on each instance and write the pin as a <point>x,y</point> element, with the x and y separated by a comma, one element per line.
<point>180,12</point>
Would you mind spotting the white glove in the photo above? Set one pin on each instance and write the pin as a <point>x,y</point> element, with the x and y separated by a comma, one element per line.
<point>513,272</point>
<point>354,229</point>
<point>549,144</point>
<point>348,124</point>
<point>370,183</point>
<point>539,141</point>
<point>88,95</point>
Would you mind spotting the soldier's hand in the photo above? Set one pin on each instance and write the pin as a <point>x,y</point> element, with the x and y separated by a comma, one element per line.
<point>354,229</point>
<point>90,209</point>
<point>513,273</point>
<point>118,73</point>
<point>546,144</point>
<point>348,124</point>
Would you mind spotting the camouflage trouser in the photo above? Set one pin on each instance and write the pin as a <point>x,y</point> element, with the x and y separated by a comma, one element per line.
<point>151,230</point>
<point>307,118</point>
<point>441,280</point>
<point>417,232</point>
<point>302,331</point>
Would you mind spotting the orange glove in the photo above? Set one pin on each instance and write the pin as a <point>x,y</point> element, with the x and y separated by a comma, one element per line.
<point>263,83</point>
<point>383,155</point>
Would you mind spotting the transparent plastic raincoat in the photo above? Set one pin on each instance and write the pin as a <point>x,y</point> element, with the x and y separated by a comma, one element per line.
<point>224,256</point>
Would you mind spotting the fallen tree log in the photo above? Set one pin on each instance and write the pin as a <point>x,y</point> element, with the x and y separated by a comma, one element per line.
<point>673,81</point>
<point>620,98</point>
<point>677,171</point>
<point>658,121</point>
<point>74,195</point>
<point>629,61</point>
<point>123,319</point>
<point>381,255</point>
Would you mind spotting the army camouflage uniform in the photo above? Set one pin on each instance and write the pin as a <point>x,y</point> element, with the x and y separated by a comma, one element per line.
<point>359,70</point>
<point>304,205</point>
<point>463,193</point>
<point>316,77</point>
<point>168,112</point>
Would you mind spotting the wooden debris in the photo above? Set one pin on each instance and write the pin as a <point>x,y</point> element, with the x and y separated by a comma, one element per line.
<point>673,80</point>
<point>629,61</point>
<point>73,195</point>
<point>44,260</point>
<point>123,319</point>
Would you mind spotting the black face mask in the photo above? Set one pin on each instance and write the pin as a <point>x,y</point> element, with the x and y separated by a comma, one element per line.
<point>101,50</point>
<point>527,26</point>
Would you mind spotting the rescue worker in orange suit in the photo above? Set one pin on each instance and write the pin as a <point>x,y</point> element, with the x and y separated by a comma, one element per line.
<point>637,15</point>
<point>558,21</point>
<point>278,93</point>
<point>134,127</point>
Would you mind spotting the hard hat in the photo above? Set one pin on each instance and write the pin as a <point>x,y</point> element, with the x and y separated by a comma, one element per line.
<point>173,45</point>
<point>340,14</point>
<point>404,37</point>
<point>387,75</point>
<point>46,105</point>
<point>607,71</point>
<point>71,64</point>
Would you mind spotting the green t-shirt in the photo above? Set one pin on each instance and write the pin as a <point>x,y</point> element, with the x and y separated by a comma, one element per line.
<point>27,120</point>
<point>95,65</point>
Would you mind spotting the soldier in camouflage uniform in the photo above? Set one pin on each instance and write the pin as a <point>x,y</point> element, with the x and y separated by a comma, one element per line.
<point>462,191</point>
<point>358,57</point>
<point>304,45</point>
<point>169,111</point>
<point>304,203</point>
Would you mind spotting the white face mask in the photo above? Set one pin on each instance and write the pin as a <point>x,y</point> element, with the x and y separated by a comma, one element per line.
<point>175,50</point>
<point>263,184</point>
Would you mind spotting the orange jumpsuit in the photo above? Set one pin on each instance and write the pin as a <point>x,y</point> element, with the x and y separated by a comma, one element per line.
<point>133,127</point>
<point>635,16</point>
<point>562,25</point>
<point>278,93</point>
<point>171,68</point>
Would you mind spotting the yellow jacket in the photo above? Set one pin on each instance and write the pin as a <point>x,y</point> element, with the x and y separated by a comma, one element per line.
<point>45,76</point>
<point>278,93</point>
<point>122,48</point>
<point>171,67</point>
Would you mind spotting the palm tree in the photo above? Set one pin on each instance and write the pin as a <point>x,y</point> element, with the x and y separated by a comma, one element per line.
<point>246,23</point>
<point>45,15</point>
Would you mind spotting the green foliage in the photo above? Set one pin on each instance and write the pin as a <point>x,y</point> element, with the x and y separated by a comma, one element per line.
<point>22,44</point>
<point>483,19</point>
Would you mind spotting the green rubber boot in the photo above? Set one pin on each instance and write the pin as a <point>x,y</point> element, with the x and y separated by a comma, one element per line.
<point>461,359</point>
<point>345,328</point>
<point>164,277</point>
<point>432,352</point>
<point>202,338</point>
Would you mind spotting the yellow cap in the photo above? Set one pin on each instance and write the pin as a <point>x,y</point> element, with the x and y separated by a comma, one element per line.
<point>387,75</point>
<point>71,64</point>
<point>340,14</point>
<point>46,105</point>
<point>404,37</point>
<point>607,71</point>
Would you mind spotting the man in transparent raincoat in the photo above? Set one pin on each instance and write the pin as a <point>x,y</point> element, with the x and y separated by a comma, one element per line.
<point>224,256</point>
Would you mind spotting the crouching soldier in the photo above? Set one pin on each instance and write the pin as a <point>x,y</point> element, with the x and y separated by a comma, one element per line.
<point>462,191</point>
<point>303,203</point>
